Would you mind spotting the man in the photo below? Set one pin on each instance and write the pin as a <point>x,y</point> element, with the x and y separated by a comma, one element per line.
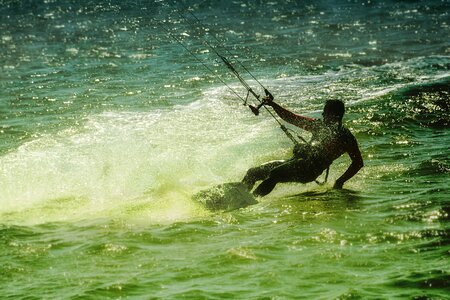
<point>329,141</point>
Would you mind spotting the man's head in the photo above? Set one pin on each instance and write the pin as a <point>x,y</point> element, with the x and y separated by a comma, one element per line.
<point>333,111</point>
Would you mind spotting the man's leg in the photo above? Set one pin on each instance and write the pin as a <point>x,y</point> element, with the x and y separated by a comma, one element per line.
<point>260,173</point>
<point>265,187</point>
<point>294,170</point>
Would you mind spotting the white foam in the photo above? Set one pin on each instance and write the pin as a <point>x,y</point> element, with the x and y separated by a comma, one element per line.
<point>118,157</point>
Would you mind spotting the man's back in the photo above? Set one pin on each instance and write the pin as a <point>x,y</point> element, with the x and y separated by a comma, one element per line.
<point>331,141</point>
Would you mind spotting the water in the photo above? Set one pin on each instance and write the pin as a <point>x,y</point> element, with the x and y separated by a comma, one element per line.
<point>108,126</point>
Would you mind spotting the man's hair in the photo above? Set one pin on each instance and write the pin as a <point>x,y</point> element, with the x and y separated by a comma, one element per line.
<point>335,108</point>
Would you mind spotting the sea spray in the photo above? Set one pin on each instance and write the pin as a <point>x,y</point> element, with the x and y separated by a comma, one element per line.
<point>121,157</point>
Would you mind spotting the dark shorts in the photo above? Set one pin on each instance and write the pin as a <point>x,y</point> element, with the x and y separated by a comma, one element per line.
<point>295,170</point>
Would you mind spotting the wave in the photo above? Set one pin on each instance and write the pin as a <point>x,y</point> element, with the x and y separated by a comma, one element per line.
<point>421,104</point>
<point>143,165</point>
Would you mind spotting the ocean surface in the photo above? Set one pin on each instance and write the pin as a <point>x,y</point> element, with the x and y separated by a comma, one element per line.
<point>108,126</point>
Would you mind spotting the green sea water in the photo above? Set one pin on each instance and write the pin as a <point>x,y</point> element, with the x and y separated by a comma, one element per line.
<point>108,127</point>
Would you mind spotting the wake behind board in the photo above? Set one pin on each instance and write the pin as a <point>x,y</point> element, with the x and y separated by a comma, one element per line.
<point>226,196</point>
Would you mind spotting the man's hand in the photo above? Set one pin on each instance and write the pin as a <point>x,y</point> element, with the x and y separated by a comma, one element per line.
<point>266,100</point>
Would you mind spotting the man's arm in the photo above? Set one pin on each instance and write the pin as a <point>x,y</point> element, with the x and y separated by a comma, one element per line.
<point>356,165</point>
<point>303,122</point>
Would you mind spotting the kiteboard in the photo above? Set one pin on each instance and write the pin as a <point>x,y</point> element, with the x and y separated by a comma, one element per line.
<point>225,197</point>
